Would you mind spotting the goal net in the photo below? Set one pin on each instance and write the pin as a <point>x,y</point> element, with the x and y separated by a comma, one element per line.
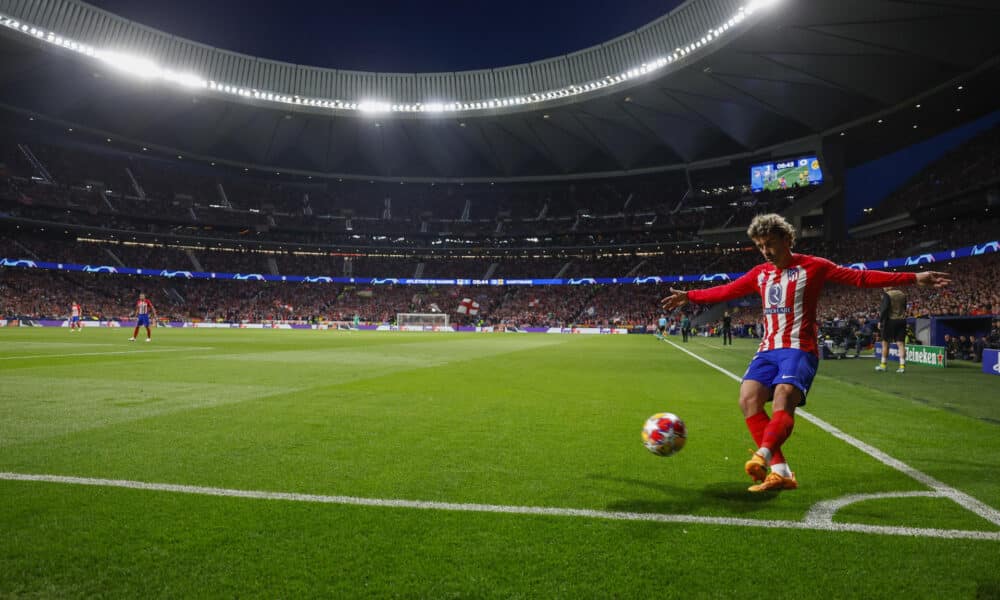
<point>421,321</point>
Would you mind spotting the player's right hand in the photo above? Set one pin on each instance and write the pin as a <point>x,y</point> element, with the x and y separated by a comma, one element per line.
<point>676,299</point>
<point>934,279</point>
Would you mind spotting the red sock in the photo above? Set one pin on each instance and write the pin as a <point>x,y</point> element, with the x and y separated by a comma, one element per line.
<point>777,432</point>
<point>757,424</point>
<point>148,334</point>
<point>136,332</point>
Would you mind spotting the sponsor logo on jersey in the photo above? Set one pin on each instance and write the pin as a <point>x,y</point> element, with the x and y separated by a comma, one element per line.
<point>775,294</point>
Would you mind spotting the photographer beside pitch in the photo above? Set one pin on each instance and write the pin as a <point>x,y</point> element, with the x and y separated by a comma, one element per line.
<point>785,364</point>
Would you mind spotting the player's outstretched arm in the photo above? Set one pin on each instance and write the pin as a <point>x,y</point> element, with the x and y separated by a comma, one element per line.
<point>934,279</point>
<point>676,299</point>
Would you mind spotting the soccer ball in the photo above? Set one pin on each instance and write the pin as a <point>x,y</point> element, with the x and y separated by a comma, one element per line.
<point>664,434</point>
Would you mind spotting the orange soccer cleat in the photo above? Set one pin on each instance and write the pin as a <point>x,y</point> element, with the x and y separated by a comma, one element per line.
<point>775,482</point>
<point>756,467</point>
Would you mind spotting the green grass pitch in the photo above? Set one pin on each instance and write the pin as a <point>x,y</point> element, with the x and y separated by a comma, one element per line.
<point>495,421</point>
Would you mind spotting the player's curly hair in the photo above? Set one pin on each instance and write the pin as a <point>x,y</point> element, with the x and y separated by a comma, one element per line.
<point>771,223</point>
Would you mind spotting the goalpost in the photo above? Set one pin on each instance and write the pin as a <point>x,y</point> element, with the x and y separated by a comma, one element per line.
<point>421,321</point>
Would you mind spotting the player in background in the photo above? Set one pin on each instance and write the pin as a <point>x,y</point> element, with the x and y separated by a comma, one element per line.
<point>892,322</point>
<point>75,312</point>
<point>143,308</point>
<point>661,327</point>
<point>785,364</point>
<point>727,328</point>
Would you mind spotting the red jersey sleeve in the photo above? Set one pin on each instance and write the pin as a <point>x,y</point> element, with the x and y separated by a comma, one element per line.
<point>864,278</point>
<point>744,285</point>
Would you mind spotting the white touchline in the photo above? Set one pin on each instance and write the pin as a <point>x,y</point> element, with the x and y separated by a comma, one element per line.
<point>816,525</point>
<point>983,510</point>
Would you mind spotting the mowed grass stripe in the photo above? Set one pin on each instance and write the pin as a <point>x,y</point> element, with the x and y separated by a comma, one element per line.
<point>135,353</point>
<point>64,405</point>
<point>61,408</point>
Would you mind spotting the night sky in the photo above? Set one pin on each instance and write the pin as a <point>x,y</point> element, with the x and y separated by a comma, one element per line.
<point>396,36</point>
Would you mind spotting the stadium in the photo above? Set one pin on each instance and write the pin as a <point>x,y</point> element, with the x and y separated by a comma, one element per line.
<point>398,332</point>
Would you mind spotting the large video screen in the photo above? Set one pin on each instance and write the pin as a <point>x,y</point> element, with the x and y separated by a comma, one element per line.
<point>785,174</point>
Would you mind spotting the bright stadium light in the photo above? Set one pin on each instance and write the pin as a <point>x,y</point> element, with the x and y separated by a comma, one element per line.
<point>370,106</point>
<point>185,79</point>
<point>756,5</point>
<point>148,69</point>
<point>133,65</point>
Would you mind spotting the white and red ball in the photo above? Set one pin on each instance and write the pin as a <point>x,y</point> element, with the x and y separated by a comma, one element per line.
<point>664,434</point>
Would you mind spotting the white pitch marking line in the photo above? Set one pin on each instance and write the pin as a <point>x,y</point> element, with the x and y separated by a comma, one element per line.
<point>822,512</point>
<point>136,352</point>
<point>508,509</point>
<point>983,510</point>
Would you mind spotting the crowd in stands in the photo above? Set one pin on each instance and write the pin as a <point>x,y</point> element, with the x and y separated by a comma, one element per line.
<point>98,186</point>
<point>682,259</point>
<point>233,221</point>
<point>971,166</point>
<point>35,294</point>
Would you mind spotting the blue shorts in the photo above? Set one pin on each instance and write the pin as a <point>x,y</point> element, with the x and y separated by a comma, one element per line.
<point>74,319</point>
<point>143,320</point>
<point>785,365</point>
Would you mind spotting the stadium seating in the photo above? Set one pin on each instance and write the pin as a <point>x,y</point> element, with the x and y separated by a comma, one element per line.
<point>226,220</point>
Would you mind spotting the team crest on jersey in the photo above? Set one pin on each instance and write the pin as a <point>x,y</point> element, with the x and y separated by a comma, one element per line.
<point>792,274</point>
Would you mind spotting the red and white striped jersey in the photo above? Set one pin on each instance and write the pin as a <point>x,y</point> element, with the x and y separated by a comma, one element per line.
<point>75,310</point>
<point>143,307</point>
<point>791,295</point>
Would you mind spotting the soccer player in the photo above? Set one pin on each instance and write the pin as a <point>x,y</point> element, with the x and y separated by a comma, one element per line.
<point>74,317</point>
<point>661,327</point>
<point>785,364</point>
<point>892,322</point>
<point>143,308</point>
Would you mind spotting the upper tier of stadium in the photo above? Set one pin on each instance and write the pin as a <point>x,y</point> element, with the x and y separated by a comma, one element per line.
<point>711,80</point>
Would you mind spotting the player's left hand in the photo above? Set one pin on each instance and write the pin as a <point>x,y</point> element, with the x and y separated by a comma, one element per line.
<point>934,279</point>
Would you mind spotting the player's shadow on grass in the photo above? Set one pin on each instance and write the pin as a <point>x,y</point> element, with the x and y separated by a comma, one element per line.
<point>731,495</point>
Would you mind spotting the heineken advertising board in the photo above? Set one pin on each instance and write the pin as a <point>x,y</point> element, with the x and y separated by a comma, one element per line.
<point>932,356</point>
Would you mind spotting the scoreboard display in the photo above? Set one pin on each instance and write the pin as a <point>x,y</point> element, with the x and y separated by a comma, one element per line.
<point>785,174</point>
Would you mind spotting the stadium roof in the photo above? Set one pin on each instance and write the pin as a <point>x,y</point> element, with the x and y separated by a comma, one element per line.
<point>713,79</point>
